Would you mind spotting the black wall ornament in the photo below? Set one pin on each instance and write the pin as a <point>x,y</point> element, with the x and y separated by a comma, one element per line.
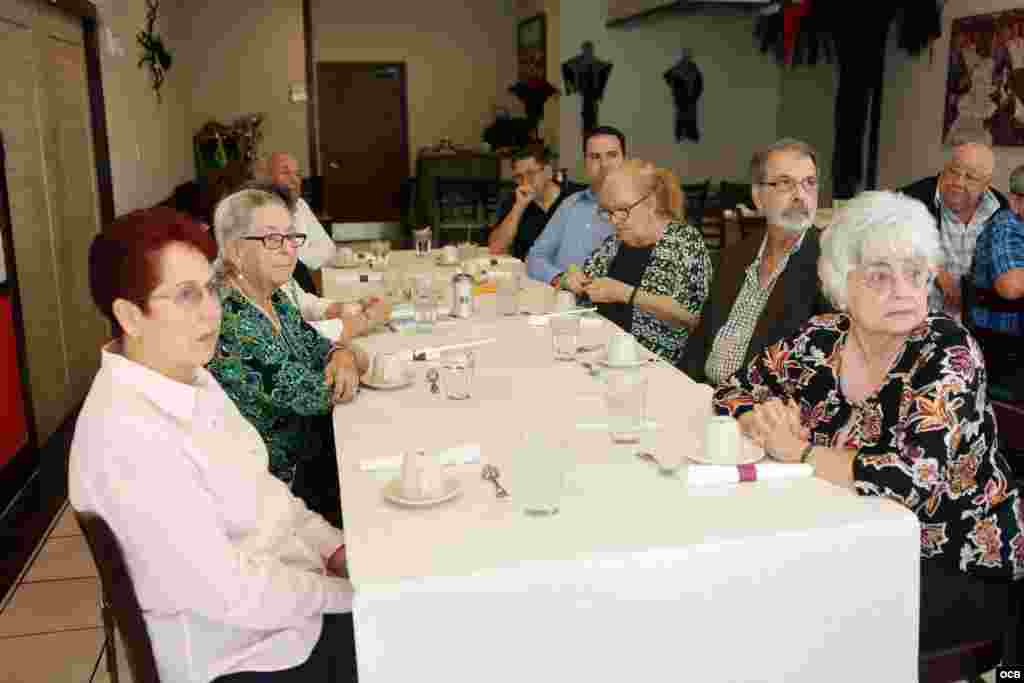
<point>588,75</point>
<point>154,53</point>
<point>687,84</point>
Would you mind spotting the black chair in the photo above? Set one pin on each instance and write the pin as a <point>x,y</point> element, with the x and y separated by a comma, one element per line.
<point>462,207</point>
<point>696,195</point>
<point>731,194</point>
<point>120,605</point>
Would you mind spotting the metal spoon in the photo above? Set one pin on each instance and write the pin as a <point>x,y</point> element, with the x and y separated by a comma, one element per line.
<point>491,474</point>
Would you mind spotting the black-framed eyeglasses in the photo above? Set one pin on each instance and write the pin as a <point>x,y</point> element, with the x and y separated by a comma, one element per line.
<point>621,215</point>
<point>275,240</point>
<point>786,184</point>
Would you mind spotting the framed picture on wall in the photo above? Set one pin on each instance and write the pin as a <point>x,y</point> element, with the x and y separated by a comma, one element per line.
<point>532,45</point>
<point>985,82</point>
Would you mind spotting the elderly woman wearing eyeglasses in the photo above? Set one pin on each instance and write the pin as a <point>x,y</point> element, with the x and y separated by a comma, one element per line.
<point>890,401</point>
<point>651,276</point>
<point>283,375</point>
<point>233,573</point>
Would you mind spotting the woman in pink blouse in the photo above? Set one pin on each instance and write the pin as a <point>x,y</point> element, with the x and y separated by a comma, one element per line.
<point>889,400</point>
<point>237,579</point>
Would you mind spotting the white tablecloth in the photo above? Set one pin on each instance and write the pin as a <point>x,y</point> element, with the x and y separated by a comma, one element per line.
<point>636,578</point>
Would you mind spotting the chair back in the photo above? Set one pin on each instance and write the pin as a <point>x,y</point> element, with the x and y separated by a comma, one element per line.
<point>731,194</point>
<point>696,195</point>
<point>119,596</point>
<point>1004,353</point>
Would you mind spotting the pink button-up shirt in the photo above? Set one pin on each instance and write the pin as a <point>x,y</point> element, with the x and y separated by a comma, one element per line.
<point>228,566</point>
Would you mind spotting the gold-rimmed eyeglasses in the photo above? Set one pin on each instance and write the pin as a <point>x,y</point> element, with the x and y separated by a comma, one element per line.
<point>786,185</point>
<point>621,215</point>
<point>881,276</point>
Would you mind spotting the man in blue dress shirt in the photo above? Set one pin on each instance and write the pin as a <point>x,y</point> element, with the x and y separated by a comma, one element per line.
<point>999,260</point>
<point>575,230</point>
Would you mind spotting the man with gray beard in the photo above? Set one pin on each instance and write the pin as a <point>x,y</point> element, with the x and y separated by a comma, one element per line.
<point>767,285</point>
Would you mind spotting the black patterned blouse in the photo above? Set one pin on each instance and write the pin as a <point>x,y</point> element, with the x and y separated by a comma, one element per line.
<point>926,438</point>
<point>679,268</point>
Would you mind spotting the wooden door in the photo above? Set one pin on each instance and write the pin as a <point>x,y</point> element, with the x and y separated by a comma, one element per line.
<point>364,150</point>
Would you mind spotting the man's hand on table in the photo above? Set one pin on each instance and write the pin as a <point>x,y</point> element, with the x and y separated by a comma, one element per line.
<point>775,426</point>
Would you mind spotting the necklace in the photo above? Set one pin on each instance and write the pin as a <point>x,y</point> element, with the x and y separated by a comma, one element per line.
<point>268,311</point>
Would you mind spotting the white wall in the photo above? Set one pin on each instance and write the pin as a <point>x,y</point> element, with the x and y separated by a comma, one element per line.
<point>912,106</point>
<point>738,112</point>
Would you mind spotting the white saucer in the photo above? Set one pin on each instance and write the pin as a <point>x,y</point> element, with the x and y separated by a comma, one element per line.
<point>631,364</point>
<point>410,376</point>
<point>393,492</point>
<point>750,455</point>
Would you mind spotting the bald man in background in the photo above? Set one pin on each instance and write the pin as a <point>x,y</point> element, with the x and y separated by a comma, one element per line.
<point>282,169</point>
<point>963,203</point>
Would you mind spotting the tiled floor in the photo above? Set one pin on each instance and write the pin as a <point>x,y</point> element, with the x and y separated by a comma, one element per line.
<point>50,627</point>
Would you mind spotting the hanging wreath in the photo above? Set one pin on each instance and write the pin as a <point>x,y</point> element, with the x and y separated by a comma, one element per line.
<point>154,54</point>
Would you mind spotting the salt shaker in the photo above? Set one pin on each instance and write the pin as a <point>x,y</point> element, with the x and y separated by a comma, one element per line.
<point>462,295</point>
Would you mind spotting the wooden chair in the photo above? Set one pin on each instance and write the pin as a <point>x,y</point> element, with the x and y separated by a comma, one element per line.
<point>120,605</point>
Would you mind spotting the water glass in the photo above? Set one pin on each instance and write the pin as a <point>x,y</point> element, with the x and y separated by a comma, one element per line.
<point>422,238</point>
<point>457,370</point>
<point>626,398</point>
<point>538,473</point>
<point>423,302</point>
<point>565,333</point>
<point>508,293</point>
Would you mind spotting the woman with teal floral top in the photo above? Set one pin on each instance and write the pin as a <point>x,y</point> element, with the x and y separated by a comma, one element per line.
<point>284,377</point>
<point>889,401</point>
<point>651,277</point>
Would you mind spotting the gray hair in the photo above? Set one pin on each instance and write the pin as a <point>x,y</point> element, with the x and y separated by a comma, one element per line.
<point>1017,180</point>
<point>232,219</point>
<point>760,158</point>
<point>875,221</point>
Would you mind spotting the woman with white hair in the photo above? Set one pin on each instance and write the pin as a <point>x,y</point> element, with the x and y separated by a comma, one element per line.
<point>890,401</point>
<point>281,373</point>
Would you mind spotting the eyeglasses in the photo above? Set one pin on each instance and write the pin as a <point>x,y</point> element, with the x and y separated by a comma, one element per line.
<point>881,277</point>
<point>191,295</point>
<point>621,215</point>
<point>786,184</point>
<point>965,175</point>
<point>275,240</point>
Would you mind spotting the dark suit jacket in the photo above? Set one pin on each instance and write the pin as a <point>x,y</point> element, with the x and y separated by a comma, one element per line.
<point>924,190</point>
<point>796,298</point>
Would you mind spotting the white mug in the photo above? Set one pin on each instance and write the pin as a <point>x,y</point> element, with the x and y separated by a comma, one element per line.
<point>345,256</point>
<point>722,441</point>
<point>387,368</point>
<point>622,349</point>
<point>421,476</point>
<point>450,254</point>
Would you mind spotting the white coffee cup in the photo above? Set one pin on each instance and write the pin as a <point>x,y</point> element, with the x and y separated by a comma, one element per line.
<point>622,349</point>
<point>421,476</point>
<point>723,444</point>
<point>387,368</point>
<point>450,254</point>
<point>345,256</point>
<point>565,300</point>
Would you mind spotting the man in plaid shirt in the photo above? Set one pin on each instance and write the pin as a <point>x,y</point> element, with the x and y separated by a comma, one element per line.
<point>999,260</point>
<point>962,203</point>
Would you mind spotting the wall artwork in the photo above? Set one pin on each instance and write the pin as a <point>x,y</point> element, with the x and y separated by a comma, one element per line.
<point>532,45</point>
<point>985,85</point>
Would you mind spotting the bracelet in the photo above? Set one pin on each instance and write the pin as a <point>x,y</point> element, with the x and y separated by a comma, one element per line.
<point>806,452</point>
<point>632,296</point>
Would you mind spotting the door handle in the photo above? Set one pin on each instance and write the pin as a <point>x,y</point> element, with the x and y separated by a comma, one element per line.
<point>334,165</point>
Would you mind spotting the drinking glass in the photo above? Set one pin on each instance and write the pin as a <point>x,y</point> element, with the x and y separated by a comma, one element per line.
<point>565,332</point>
<point>457,370</point>
<point>626,398</point>
<point>508,294</point>
<point>538,473</point>
<point>422,238</point>
<point>423,302</point>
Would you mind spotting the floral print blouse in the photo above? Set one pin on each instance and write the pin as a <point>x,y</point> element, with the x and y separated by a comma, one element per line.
<point>926,438</point>
<point>275,379</point>
<point>679,268</point>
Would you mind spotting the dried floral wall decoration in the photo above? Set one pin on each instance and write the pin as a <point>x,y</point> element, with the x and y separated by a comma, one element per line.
<point>154,54</point>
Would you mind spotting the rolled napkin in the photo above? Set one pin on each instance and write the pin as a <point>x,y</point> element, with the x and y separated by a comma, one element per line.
<point>716,475</point>
<point>466,454</point>
<point>356,276</point>
<point>541,320</point>
<point>648,426</point>
<point>491,261</point>
<point>330,328</point>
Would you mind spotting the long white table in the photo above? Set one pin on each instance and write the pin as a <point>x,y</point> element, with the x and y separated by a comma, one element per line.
<point>637,577</point>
